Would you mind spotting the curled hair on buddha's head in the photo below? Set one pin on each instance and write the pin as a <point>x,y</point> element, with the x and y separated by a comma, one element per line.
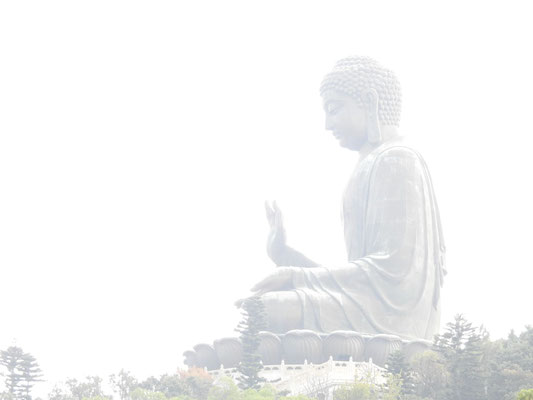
<point>354,76</point>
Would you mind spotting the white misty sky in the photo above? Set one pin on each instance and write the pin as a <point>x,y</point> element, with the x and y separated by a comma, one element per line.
<point>139,140</point>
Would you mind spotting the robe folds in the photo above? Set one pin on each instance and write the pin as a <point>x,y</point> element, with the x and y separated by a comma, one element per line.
<point>395,250</point>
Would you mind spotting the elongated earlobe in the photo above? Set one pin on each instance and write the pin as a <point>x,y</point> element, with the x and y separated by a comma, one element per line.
<point>374,133</point>
<point>373,129</point>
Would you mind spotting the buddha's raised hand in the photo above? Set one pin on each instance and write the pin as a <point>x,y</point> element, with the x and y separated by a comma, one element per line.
<point>277,248</point>
<point>276,242</point>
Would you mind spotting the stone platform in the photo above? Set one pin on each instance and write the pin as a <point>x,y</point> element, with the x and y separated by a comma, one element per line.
<point>300,347</point>
<point>315,380</point>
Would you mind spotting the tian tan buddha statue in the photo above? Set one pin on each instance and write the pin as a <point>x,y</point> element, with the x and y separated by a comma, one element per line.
<point>391,281</point>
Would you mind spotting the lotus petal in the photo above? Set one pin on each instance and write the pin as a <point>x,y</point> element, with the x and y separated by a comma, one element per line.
<point>301,345</point>
<point>270,348</point>
<point>191,359</point>
<point>229,351</point>
<point>380,347</point>
<point>341,345</point>
<point>206,356</point>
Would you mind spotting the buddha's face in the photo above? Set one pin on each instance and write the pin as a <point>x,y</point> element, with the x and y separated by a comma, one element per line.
<point>346,119</point>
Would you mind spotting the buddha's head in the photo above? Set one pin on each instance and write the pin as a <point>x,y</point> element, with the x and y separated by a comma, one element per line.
<point>360,99</point>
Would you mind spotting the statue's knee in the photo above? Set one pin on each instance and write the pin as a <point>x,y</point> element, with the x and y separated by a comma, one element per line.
<point>283,311</point>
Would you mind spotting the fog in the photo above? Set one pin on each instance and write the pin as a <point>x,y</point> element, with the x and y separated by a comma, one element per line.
<point>139,141</point>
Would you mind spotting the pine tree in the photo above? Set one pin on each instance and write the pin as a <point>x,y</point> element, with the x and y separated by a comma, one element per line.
<point>31,373</point>
<point>510,363</point>
<point>254,320</point>
<point>11,359</point>
<point>398,366</point>
<point>22,372</point>
<point>461,347</point>
<point>430,375</point>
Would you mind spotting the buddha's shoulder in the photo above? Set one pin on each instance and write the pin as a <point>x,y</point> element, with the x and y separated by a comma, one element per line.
<point>397,151</point>
<point>397,159</point>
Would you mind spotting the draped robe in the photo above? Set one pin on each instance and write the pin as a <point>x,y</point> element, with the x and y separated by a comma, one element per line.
<point>395,250</point>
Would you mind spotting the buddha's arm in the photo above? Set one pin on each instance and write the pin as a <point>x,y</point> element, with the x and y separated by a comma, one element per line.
<point>293,258</point>
<point>393,239</point>
<point>287,278</point>
<point>395,235</point>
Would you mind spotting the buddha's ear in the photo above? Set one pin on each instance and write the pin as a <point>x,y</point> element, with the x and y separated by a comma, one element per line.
<point>371,102</point>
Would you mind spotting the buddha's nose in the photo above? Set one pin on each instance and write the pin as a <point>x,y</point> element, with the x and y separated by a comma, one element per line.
<point>329,124</point>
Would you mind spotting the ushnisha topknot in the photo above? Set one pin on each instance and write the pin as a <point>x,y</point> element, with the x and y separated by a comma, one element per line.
<point>354,75</point>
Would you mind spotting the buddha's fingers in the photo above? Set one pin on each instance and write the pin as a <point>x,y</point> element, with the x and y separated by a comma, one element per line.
<point>278,216</point>
<point>261,286</point>
<point>266,285</point>
<point>275,281</point>
<point>269,213</point>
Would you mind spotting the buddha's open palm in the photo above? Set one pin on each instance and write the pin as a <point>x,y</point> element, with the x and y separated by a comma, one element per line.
<point>276,242</point>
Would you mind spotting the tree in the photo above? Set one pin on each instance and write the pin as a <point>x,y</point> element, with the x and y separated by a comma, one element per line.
<point>11,359</point>
<point>317,386</point>
<point>22,372</point>
<point>90,389</point>
<point>461,348</point>
<point>525,394</point>
<point>225,389</point>
<point>510,364</point>
<point>197,382</point>
<point>397,365</point>
<point>31,373</point>
<point>169,385</point>
<point>58,394</point>
<point>151,383</point>
<point>145,394</point>
<point>430,375</point>
<point>194,383</point>
<point>254,320</point>
<point>393,389</point>
<point>123,383</point>
<point>356,391</point>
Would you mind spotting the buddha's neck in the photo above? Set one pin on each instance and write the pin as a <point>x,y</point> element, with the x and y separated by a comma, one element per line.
<point>388,132</point>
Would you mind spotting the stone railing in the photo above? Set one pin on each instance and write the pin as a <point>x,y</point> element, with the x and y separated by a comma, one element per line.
<point>308,378</point>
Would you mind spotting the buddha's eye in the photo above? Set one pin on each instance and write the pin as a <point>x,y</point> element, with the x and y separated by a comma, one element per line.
<point>333,108</point>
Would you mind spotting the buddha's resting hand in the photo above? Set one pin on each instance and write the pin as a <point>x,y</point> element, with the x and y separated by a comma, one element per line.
<point>280,279</point>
